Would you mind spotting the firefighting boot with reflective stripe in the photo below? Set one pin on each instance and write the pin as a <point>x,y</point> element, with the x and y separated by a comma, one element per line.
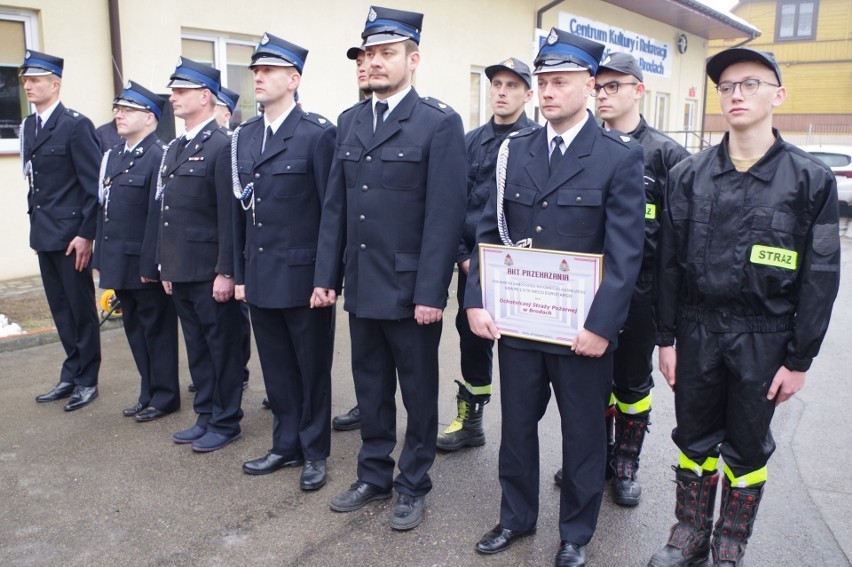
<point>689,542</point>
<point>736,520</point>
<point>466,429</point>
<point>629,434</point>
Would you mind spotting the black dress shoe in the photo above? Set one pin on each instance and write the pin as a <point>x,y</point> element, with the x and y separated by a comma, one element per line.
<point>557,477</point>
<point>82,396</point>
<point>348,421</point>
<point>59,392</point>
<point>130,412</point>
<point>271,463</point>
<point>265,403</point>
<point>313,475</point>
<point>191,387</point>
<point>150,414</point>
<point>408,512</point>
<point>570,555</point>
<point>499,539</point>
<point>359,494</point>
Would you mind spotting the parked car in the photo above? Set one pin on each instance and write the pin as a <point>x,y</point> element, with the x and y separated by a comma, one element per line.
<point>839,159</point>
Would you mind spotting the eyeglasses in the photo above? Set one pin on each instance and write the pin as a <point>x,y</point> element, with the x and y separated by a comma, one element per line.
<point>116,110</point>
<point>609,88</point>
<point>747,87</point>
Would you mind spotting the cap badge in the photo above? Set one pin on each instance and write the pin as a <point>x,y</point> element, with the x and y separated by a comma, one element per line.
<point>27,55</point>
<point>180,62</point>
<point>128,85</point>
<point>509,63</point>
<point>264,40</point>
<point>371,16</point>
<point>552,38</point>
<point>607,60</point>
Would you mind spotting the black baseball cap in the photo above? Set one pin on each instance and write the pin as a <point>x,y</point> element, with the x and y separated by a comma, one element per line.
<point>717,64</point>
<point>621,62</point>
<point>512,65</point>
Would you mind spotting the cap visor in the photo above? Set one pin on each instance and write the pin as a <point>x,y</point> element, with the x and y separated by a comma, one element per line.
<point>270,62</point>
<point>183,84</point>
<point>353,53</point>
<point>129,104</point>
<point>35,72</point>
<point>560,67</point>
<point>383,39</point>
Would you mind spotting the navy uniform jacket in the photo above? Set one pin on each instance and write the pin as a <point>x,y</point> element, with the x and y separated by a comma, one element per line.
<point>63,197</point>
<point>123,218</point>
<point>396,201</point>
<point>593,203</point>
<point>196,239</point>
<point>276,246</point>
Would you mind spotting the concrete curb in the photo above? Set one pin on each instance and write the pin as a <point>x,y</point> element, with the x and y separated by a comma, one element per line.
<point>44,336</point>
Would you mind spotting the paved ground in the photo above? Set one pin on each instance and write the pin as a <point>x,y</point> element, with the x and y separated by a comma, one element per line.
<point>92,488</point>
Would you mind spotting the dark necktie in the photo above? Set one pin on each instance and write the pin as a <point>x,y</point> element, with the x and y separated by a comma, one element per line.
<point>381,108</point>
<point>556,154</point>
<point>38,125</point>
<point>266,138</point>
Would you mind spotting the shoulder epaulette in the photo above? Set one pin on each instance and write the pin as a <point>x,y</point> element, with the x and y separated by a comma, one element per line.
<point>254,118</point>
<point>317,119</point>
<point>356,105</point>
<point>524,131</point>
<point>73,113</point>
<point>435,103</point>
<point>618,135</point>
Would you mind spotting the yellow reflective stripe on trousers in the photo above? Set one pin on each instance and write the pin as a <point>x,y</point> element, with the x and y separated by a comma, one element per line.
<point>642,406</point>
<point>710,464</point>
<point>650,211</point>
<point>775,257</point>
<point>751,479</point>
<point>478,390</point>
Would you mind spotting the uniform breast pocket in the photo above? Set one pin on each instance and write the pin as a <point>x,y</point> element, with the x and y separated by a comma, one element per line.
<point>54,151</point>
<point>351,157</point>
<point>245,167</point>
<point>132,189</point>
<point>288,177</point>
<point>401,167</point>
<point>773,253</point>
<point>517,203</point>
<point>580,211</point>
<point>692,219</point>
<point>189,179</point>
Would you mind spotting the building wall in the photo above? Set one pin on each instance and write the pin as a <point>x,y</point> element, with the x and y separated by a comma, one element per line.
<point>817,74</point>
<point>86,87</point>
<point>458,37</point>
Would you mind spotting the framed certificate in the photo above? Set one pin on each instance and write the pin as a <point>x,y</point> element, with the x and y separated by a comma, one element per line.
<point>540,295</point>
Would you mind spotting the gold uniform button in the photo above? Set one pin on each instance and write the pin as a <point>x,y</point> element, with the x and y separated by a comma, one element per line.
<point>368,159</point>
<point>363,247</point>
<point>517,195</point>
<point>579,199</point>
<point>257,176</point>
<point>362,218</point>
<point>544,204</point>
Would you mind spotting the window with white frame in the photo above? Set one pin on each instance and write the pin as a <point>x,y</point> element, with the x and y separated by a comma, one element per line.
<point>479,104</point>
<point>661,111</point>
<point>17,34</point>
<point>232,57</point>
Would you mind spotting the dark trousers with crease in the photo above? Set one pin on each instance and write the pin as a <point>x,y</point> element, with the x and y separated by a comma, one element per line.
<point>632,364</point>
<point>381,350</point>
<point>150,323</point>
<point>295,347</point>
<point>581,386</point>
<point>214,351</point>
<point>477,354</point>
<point>71,297</point>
